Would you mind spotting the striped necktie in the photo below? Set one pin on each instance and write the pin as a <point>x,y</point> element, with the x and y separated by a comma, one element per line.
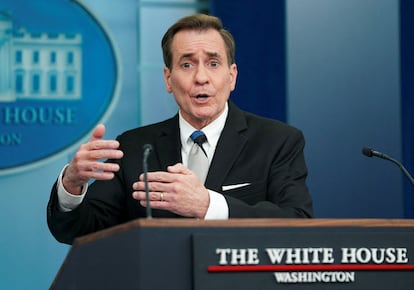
<point>197,159</point>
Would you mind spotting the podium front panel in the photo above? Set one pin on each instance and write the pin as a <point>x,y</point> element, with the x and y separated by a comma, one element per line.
<point>186,254</point>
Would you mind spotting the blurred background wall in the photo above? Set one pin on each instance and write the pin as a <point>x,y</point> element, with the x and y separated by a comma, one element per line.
<point>328,67</point>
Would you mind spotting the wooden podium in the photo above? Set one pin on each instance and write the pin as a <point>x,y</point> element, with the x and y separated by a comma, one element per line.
<point>251,254</point>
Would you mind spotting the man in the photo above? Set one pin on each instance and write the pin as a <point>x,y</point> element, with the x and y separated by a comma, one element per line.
<point>256,165</point>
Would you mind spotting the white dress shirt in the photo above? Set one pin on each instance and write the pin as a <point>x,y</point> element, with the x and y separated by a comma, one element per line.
<point>218,208</point>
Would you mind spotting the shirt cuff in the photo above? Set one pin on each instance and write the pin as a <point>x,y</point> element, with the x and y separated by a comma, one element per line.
<point>218,208</point>
<point>68,201</point>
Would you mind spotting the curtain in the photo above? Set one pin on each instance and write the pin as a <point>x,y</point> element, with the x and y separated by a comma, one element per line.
<point>259,31</point>
<point>407,98</point>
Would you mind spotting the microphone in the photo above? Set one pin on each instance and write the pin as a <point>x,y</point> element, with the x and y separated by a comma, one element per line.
<point>373,153</point>
<point>147,150</point>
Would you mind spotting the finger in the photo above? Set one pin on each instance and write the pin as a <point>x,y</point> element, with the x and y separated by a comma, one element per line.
<point>173,174</point>
<point>138,186</point>
<point>77,175</point>
<point>153,196</point>
<point>98,132</point>
<point>88,152</point>
<point>96,142</point>
<point>99,166</point>
<point>157,196</point>
<point>98,170</point>
<point>152,186</point>
<point>105,154</point>
<point>157,176</point>
<point>100,175</point>
<point>178,168</point>
<point>105,167</point>
<point>100,144</point>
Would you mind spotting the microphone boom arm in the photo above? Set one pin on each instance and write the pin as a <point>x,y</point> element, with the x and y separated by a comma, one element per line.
<point>371,152</point>
<point>147,150</point>
<point>403,169</point>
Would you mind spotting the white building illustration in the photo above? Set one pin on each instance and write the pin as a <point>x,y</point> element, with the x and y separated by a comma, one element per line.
<point>38,66</point>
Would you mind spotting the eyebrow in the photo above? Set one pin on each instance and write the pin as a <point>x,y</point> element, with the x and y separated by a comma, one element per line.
<point>190,54</point>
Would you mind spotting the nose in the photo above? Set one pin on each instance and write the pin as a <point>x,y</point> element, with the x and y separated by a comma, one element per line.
<point>201,74</point>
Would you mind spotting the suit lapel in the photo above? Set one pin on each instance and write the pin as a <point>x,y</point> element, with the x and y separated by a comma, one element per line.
<point>229,146</point>
<point>168,144</point>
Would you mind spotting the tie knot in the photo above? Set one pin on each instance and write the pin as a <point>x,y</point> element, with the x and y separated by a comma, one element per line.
<point>198,137</point>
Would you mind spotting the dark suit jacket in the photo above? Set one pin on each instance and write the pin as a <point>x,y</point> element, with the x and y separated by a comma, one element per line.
<point>265,153</point>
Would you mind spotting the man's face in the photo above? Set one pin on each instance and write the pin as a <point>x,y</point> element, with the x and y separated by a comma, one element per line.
<point>200,78</point>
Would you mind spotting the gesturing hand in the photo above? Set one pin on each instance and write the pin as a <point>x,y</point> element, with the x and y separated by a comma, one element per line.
<point>178,190</point>
<point>87,162</point>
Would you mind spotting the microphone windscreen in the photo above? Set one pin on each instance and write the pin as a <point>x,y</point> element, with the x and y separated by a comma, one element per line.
<point>367,151</point>
<point>147,147</point>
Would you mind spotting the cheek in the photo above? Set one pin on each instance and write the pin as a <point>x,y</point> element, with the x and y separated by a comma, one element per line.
<point>179,86</point>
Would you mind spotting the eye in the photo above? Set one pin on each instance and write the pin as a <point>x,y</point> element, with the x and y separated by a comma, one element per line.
<point>186,65</point>
<point>214,63</point>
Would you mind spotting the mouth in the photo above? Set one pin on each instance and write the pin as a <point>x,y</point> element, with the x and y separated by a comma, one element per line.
<point>201,97</point>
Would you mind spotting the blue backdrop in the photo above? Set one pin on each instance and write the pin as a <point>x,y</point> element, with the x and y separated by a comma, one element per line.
<point>407,98</point>
<point>260,54</point>
<point>29,256</point>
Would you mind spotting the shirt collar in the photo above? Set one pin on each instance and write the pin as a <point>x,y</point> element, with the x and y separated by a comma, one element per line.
<point>212,131</point>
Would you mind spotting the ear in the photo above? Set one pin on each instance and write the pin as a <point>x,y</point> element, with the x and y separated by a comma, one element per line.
<point>233,76</point>
<point>167,79</point>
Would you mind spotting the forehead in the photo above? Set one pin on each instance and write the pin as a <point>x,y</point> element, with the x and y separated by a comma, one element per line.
<point>195,41</point>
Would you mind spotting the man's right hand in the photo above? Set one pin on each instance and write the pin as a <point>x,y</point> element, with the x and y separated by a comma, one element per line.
<point>88,162</point>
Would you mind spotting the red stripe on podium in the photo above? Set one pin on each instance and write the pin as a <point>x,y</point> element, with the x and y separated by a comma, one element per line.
<point>336,267</point>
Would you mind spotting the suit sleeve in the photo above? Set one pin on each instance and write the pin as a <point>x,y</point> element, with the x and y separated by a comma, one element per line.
<point>102,207</point>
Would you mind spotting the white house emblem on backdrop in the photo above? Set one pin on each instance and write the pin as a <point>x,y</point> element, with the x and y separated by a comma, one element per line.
<point>39,66</point>
<point>58,79</point>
